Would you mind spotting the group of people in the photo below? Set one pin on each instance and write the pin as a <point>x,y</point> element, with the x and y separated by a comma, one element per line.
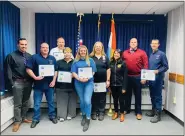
<point>121,75</point>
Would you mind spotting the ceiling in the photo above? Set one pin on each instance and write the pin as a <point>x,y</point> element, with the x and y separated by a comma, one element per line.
<point>86,6</point>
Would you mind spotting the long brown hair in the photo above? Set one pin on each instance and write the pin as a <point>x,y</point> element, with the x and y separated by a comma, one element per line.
<point>93,51</point>
<point>78,56</point>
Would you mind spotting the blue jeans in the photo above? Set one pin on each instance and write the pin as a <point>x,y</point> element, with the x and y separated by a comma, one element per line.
<point>49,93</point>
<point>85,91</point>
<point>156,92</point>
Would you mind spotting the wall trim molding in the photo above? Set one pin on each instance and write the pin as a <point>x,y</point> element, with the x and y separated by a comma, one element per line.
<point>178,78</point>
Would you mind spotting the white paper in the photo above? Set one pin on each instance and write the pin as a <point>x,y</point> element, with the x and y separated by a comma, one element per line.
<point>64,77</point>
<point>100,87</point>
<point>46,70</point>
<point>58,55</point>
<point>147,75</point>
<point>85,72</point>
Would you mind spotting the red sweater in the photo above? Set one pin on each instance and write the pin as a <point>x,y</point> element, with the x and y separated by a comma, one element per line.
<point>135,61</point>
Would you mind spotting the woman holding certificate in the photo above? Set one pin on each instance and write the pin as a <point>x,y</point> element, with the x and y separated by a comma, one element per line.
<point>83,70</point>
<point>102,81</point>
<point>118,82</point>
<point>65,94</point>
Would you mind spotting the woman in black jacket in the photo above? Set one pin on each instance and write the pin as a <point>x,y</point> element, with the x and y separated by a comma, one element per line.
<point>118,82</point>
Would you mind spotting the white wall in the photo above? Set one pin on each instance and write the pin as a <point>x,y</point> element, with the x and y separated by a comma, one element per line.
<point>175,53</point>
<point>28,28</point>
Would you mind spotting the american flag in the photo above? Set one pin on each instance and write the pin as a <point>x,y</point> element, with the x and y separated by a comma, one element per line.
<point>79,35</point>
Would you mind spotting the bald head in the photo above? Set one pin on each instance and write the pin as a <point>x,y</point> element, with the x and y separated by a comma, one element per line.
<point>133,43</point>
<point>60,42</point>
<point>44,49</point>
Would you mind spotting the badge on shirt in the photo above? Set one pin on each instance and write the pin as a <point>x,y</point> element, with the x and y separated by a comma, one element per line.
<point>104,59</point>
<point>157,56</point>
<point>50,61</point>
<point>119,65</point>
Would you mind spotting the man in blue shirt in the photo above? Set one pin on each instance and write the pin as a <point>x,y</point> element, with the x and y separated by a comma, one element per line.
<point>43,84</point>
<point>159,63</point>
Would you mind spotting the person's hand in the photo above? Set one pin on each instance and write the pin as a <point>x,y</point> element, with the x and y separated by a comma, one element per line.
<point>83,79</point>
<point>52,84</point>
<point>109,90</point>
<point>143,82</point>
<point>39,78</point>
<point>107,84</point>
<point>123,91</point>
<point>156,71</point>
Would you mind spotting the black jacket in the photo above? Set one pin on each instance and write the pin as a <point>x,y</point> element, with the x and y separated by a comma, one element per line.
<point>118,73</point>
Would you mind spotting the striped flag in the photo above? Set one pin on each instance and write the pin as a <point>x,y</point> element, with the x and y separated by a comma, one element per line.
<point>112,40</point>
<point>79,35</point>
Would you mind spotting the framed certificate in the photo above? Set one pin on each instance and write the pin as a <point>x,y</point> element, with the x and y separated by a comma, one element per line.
<point>64,77</point>
<point>46,70</point>
<point>85,72</point>
<point>58,55</point>
<point>100,87</point>
<point>147,75</point>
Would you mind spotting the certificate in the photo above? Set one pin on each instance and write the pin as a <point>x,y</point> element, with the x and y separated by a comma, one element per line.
<point>64,77</point>
<point>58,55</point>
<point>147,75</point>
<point>85,72</point>
<point>100,87</point>
<point>46,70</point>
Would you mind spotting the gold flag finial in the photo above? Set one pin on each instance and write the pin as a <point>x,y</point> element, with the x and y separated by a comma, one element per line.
<point>80,14</point>
<point>112,15</point>
<point>99,15</point>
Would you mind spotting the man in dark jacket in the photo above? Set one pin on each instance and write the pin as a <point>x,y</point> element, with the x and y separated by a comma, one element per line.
<point>159,63</point>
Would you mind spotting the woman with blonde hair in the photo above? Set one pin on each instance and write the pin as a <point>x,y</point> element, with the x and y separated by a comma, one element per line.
<point>65,94</point>
<point>83,70</point>
<point>101,80</point>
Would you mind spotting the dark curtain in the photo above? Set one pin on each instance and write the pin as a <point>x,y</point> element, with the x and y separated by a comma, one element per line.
<point>9,33</point>
<point>144,27</point>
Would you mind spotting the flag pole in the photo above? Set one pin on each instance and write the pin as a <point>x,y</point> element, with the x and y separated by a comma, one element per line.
<point>99,15</point>
<point>110,112</point>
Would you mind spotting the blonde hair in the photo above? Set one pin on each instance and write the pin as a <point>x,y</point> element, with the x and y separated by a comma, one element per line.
<point>93,51</point>
<point>77,58</point>
<point>67,49</point>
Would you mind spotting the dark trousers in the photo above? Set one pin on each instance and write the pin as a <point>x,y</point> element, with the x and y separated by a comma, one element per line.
<point>134,85</point>
<point>156,92</point>
<point>21,92</point>
<point>98,102</point>
<point>66,103</point>
<point>49,93</point>
<point>118,96</point>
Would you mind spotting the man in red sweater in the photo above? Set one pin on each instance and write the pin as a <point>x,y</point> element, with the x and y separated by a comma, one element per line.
<point>136,59</point>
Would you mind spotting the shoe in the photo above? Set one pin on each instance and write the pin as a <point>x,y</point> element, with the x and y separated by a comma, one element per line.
<point>86,125</point>
<point>34,123</point>
<point>83,120</point>
<point>150,113</point>
<point>61,119</point>
<point>27,121</point>
<point>93,117</point>
<point>115,116</point>
<point>54,120</point>
<point>122,117</point>
<point>15,127</point>
<point>139,116</point>
<point>69,118</point>
<point>156,118</point>
<point>101,116</point>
